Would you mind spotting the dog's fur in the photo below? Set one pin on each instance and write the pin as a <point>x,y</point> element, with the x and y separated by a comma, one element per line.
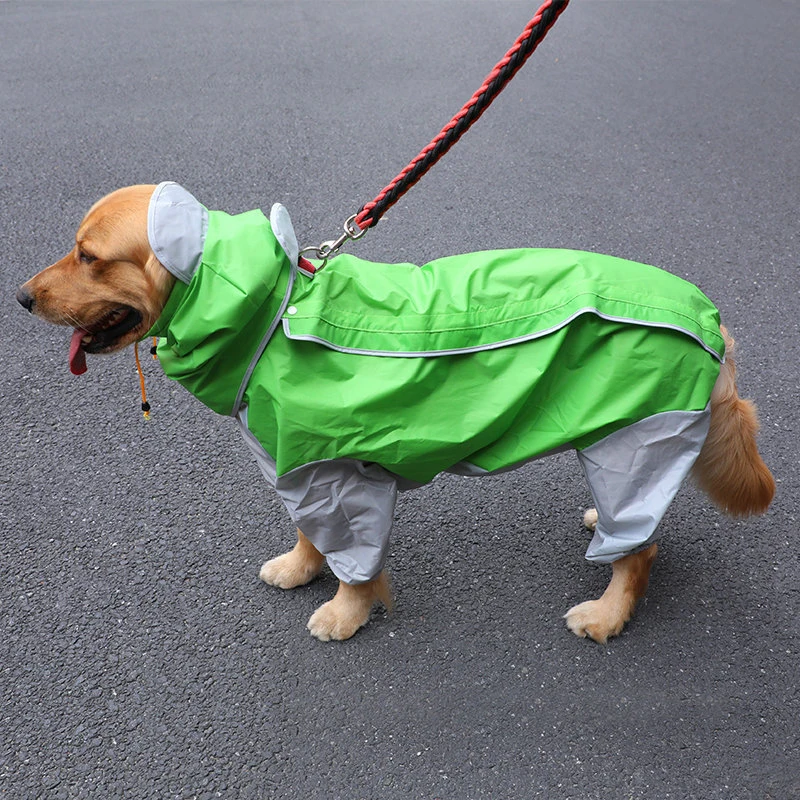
<point>112,282</point>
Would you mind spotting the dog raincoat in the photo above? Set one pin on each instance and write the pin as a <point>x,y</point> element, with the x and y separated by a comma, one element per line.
<point>364,378</point>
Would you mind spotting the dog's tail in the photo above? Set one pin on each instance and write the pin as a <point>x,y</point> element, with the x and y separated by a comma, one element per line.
<point>729,468</point>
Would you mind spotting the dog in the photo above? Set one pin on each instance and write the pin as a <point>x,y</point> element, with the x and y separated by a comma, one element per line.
<point>356,381</point>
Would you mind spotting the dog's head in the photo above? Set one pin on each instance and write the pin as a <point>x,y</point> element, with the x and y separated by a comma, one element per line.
<point>110,287</point>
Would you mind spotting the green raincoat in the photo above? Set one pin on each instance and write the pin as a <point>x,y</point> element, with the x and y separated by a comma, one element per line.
<point>474,363</point>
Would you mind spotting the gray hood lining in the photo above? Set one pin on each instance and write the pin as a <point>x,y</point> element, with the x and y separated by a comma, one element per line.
<point>176,228</point>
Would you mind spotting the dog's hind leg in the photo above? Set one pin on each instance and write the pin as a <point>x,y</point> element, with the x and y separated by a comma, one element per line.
<point>341,617</point>
<point>606,617</point>
<point>633,474</point>
<point>295,568</point>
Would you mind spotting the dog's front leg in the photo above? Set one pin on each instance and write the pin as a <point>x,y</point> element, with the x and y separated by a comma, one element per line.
<point>607,616</point>
<point>295,568</point>
<point>341,617</point>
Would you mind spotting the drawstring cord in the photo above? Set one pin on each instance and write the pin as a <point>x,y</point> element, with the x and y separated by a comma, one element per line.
<point>145,404</point>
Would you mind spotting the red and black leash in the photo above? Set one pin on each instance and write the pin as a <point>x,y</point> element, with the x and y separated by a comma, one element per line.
<point>369,214</point>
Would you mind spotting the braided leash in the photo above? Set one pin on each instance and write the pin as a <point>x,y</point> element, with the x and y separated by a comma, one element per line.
<point>369,214</point>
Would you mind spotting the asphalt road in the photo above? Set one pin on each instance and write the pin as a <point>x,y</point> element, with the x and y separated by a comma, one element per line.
<point>141,657</point>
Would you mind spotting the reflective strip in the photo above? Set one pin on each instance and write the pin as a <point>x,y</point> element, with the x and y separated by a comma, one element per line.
<point>265,341</point>
<point>493,345</point>
<point>283,230</point>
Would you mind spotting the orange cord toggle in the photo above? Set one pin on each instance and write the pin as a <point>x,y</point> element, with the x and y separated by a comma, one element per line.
<point>145,404</point>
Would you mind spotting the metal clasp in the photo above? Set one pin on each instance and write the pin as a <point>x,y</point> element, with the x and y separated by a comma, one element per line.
<point>328,250</point>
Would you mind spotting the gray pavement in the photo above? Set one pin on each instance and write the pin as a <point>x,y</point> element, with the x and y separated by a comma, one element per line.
<point>140,656</point>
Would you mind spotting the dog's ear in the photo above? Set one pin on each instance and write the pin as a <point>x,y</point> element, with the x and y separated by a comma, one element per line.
<point>161,281</point>
<point>115,231</point>
<point>122,218</point>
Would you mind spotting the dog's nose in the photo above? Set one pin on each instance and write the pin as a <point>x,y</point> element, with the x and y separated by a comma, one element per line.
<point>25,298</point>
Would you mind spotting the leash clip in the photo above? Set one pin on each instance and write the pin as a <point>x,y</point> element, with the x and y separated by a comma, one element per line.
<point>328,250</point>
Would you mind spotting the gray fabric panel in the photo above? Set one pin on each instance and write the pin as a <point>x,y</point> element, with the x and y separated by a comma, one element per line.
<point>344,507</point>
<point>283,230</point>
<point>176,227</point>
<point>634,474</point>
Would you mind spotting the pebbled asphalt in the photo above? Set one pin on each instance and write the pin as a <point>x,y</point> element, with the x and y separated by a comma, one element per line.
<point>140,656</point>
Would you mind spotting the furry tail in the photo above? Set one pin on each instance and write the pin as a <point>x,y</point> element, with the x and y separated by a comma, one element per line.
<point>729,468</point>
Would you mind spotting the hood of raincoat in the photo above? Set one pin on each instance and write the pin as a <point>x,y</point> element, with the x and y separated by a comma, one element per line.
<point>233,274</point>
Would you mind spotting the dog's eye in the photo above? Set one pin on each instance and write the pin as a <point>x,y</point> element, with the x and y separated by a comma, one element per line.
<point>85,258</point>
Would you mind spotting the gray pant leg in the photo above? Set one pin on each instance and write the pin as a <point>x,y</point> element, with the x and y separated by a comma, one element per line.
<point>634,474</point>
<point>343,506</point>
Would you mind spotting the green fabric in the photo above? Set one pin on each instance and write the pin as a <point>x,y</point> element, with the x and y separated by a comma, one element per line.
<point>578,378</point>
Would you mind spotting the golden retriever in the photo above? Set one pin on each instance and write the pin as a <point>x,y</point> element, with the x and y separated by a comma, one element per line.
<point>111,288</point>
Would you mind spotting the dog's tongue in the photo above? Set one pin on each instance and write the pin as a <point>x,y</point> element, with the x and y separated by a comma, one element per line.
<point>77,357</point>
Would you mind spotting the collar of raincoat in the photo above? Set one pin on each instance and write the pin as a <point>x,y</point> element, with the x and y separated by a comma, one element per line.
<point>177,224</point>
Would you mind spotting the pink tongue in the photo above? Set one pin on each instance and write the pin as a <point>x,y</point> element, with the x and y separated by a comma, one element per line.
<point>77,358</point>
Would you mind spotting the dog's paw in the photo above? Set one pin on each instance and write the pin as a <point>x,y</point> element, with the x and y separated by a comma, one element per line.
<point>334,620</point>
<point>288,571</point>
<point>590,518</point>
<point>597,619</point>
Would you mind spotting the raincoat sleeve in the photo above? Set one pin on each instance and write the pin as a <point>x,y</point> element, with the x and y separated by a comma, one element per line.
<point>345,507</point>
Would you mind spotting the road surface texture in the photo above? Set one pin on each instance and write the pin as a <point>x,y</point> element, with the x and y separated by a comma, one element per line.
<point>140,655</point>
